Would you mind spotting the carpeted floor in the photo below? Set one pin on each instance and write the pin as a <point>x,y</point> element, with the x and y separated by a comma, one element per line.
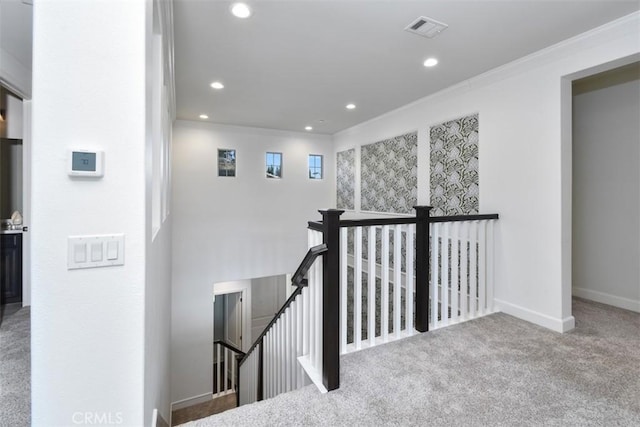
<point>493,371</point>
<point>15,369</point>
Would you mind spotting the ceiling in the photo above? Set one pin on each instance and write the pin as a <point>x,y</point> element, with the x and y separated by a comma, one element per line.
<point>16,28</point>
<point>298,63</point>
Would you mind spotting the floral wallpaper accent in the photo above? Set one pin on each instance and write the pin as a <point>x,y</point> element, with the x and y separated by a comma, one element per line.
<point>454,167</point>
<point>346,179</point>
<point>389,174</point>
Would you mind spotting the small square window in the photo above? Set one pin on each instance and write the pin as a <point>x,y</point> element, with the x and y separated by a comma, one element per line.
<point>274,165</point>
<point>315,166</point>
<point>226,162</point>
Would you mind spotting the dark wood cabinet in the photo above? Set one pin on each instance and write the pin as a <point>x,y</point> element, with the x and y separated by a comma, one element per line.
<point>10,268</point>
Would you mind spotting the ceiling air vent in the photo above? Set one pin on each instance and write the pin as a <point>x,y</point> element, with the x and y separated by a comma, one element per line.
<point>426,27</point>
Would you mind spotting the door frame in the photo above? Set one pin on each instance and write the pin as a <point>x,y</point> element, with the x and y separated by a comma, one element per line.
<point>238,318</point>
<point>243,287</point>
<point>566,165</point>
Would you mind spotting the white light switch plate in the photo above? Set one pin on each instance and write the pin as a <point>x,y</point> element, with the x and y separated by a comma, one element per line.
<point>95,251</point>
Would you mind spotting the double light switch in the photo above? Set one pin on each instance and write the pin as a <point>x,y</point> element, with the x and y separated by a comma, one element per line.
<point>95,251</point>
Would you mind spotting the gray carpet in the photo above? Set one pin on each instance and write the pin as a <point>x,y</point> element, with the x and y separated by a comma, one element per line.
<point>492,371</point>
<point>15,369</point>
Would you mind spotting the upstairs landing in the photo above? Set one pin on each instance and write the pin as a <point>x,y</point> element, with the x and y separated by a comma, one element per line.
<point>495,370</point>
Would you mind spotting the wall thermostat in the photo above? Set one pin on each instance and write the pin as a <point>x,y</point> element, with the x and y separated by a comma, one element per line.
<point>86,163</point>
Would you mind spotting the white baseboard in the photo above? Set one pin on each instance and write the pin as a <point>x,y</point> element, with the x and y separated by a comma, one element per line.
<point>553,323</point>
<point>185,403</point>
<point>604,298</point>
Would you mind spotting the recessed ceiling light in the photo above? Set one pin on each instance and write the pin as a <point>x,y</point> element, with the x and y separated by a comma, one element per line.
<point>217,85</point>
<point>240,10</point>
<point>308,128</point>
<point>204,116</point>
<point>430,62</point>
<point>350,106</point>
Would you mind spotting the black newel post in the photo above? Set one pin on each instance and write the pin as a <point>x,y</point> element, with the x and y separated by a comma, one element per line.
<point>238,359</point>
<point>260,370</point>
<point>422,268</point>
<point>331,299</point>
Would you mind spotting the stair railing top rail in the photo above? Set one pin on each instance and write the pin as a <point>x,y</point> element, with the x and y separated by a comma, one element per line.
<point>230,347</point>
<point>368,222</point>
<point>299,281</point>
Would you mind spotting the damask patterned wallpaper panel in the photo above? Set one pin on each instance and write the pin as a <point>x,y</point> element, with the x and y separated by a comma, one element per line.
<point>346,179</point>
<point>454,167</point>
<point>389,175</point>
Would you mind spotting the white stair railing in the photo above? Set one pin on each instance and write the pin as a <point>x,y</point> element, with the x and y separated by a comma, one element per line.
<point>392,290</point>
<point>293,350</point>
<point>288,355</point>
<point>378,274</point>
<point>461,271</point>
<point>225,366</point>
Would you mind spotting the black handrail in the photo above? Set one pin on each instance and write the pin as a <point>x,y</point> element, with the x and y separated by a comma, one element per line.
<point>368,222</point>
<point>300,282</point>
<point>286,305</point>
<point>307,262</point>
<point>229,346</point>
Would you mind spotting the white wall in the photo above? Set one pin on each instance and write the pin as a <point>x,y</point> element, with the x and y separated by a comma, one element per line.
<point>99,336</point>
<point>606,194</point>
<point>521,146</point>
<point>233,228</point>
<point>268,295</point>
<point>14,74</point>
<point>158,222</point>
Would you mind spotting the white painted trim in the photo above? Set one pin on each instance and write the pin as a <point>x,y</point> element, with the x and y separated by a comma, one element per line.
<point>243,286</point>
<point>26,202</point>
<point>604,298</point>
<point>553,323</point>
<point>532,61</point>
<point>314,375</point>
<point>190,401</point>
<point>15,76</point>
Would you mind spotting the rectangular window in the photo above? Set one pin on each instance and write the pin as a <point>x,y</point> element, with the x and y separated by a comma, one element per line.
<point>226,162</point>
<point>274,165</point>
<point>315,166</point>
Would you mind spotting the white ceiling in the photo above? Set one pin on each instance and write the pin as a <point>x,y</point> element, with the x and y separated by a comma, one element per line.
<point>16,28</point>
<point>294,63</point>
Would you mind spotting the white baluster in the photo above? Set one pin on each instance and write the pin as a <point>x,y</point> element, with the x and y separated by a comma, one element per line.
<point>434,272</point>
<point>397,279</point>
<point>278,356</point>
<point>473,268</point>
<point>306,317</point>
<point>226,370</point>
<point>490,272</point>
<point>455,264</point>
<point>286,317</point>
<point>371,290</point>
<point>283,354</point>
<point>444,274</point>
<point>384,309</point>
<point>409,280</point>
<point>357,292</point>
<point>482,267</point>
<point>464,272</point>
<point>218,368</point>
<point>299,353</point>
<point>293,347</point>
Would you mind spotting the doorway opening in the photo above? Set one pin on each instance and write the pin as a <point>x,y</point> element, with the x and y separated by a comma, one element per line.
<point>227,321</point>
<point>605,187</point>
